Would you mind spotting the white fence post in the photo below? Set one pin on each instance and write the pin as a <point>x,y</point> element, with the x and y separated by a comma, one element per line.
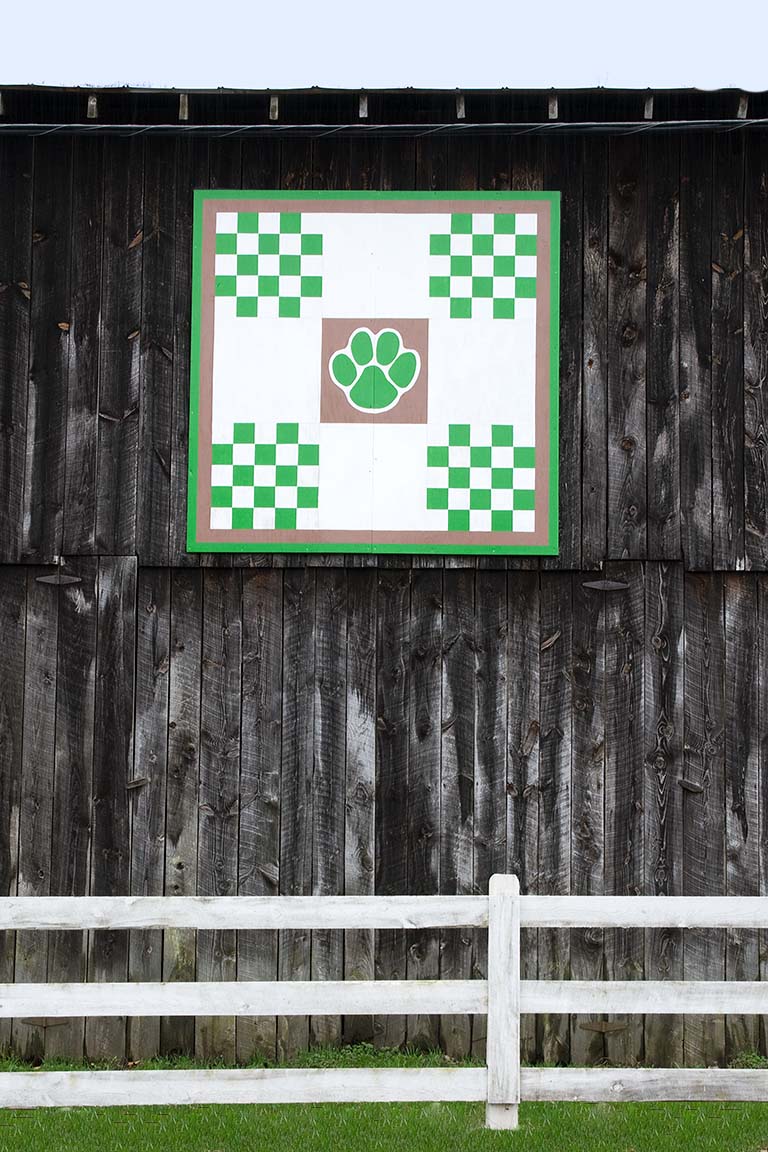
<point>503,1043</point>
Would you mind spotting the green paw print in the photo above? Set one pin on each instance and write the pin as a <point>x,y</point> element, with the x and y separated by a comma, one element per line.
<point>373,372</point>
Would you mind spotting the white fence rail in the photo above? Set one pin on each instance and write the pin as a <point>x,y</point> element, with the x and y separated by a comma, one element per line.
<point>502,1084</point>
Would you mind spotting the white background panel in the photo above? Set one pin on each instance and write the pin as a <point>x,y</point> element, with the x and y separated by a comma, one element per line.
<point>400,478</point>
<point>346,483</point>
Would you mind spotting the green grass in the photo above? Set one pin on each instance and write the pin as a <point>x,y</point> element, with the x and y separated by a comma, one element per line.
<point>374,1127</point>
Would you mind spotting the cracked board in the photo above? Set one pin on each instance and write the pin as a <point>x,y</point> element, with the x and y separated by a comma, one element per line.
<point>374,372</point>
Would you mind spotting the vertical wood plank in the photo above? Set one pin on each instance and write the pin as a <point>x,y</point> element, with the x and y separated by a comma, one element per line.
<point>762,718</point>
<point>555,742</point>
<point>563,171</point>
<point>491,705</point>
<point>392,746</point>
<point>177,1033</point>
<point>523,732</point>
<point>423,804</point>
<point>16,166</point>
<point>219,792</point>
<point>191,173</point>
<point>627,206</point>
<point>756,352</point>
<point>296,786</point>
<point>360,782</point>
<point>696,350</point>
<point>330,716</point>
<point>70,855</point>
<point>728,352</point>
<point>663,411</point>
<point>704,799</point>
<point>36,799</point>
<point>156,350</point>
<point>49,351</point>
<point>624,789</point>
<point>457,801</point>
<point>259,840</point>
<point>664,806</point>
<point>82,437</point>
<point>120,350</point>
<point>147,795</point>
<point>112,766</point>
<point>587,800</point>
<point>742,736</point>
<point>594,403</point>
<point>13,616</point>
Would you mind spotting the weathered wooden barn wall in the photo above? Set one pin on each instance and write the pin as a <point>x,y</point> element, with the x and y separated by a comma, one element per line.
<point>220,724</point>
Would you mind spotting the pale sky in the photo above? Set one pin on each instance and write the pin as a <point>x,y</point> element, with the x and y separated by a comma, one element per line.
<point>397,43</point>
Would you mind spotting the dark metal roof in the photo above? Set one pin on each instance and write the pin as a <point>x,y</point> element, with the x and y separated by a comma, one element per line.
<point>410,111</point>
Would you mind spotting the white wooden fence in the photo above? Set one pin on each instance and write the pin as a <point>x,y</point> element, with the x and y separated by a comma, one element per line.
<point>503,996</point>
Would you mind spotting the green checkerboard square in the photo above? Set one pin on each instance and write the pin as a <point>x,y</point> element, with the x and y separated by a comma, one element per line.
<point>439,245</point>
<point>311,286</point>
<point>482,287</point>
<point>459,435</point>
<point>242,517</point>
<point>247,306</point>
<point>221,497</point>
<point>437,498</point>
<point>244,434</point>
<point>458,521</point>
<point>247,221</point>
<point>226,243</point>
<point>501,521</point>
<point>285,519</point>
<point>226,286</point>
<point>290,265</point>
<point>525,457</point>
<point>524,500</point>
<point>242,475</point>
<point>504,223</point>
<point>221,453</point>
<point>311,244</point>
<point>287,434</point>
<point>503,309</point>
<point>263,497</point>
<point>309,453</point>
<point>482,244</point>
<point>461,265</point>
<point>502,435</point>
<point>461,223</point>
<point>290,222</point>
<point>501,478</point>
<point>269,285</point>
<point>480,457</point>
<point>289,306</point>
<point>461,308</point>
<point>437,457</point>
<point>439,285</point>
<point>480,498</point>
<point>525,288</point>
<point>286,475</point>
<point>458,477</point>
<point>247,265</point>
<point>269,243</point>
<point>525,245</point>
<point>503,265</point>
<point>264,454</point>
<point>307,497</point>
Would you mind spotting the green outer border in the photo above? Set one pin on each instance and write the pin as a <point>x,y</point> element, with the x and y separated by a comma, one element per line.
<point>552,546</point>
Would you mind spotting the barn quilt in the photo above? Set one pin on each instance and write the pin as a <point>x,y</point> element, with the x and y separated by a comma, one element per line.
<point>374,372</point>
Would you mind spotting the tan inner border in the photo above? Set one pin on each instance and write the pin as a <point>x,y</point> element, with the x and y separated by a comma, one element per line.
<point>208,535</point>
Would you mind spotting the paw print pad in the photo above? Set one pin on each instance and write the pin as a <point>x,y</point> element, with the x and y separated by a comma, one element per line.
<point>374,372</point>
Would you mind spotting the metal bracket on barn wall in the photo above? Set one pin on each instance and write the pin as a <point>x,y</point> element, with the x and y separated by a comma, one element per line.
<point>605,585</point>
<point>59,576</point>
